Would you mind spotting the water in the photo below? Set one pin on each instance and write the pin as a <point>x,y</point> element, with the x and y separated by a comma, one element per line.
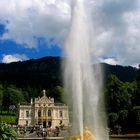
<point>83,83</point>
<point>123,139</point>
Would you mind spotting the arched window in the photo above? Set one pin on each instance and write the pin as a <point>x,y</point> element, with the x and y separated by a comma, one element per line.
<point>39,113</point>
<point>49,113</point>
<point>60,114</point>
<point>44,112</point>
<point>27,114</point>
<point>27,122</point>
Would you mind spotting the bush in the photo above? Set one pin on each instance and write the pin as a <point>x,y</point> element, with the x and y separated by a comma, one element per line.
<point>112,120</point>
<point>123,120</point>
<point>7,133</point>
<point>8,119</point>
<point>134,119</point>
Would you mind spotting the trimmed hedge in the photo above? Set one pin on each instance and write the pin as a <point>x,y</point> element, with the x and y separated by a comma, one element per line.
<point>8,119</point>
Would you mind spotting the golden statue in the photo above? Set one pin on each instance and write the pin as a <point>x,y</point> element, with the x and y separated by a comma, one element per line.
<point>87,135</point>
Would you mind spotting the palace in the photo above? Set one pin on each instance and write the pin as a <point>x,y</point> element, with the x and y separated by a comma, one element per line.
<point>43,111</point>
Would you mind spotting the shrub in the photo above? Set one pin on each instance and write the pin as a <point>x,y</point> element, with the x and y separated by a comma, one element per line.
<point>7,133</point>
<point>8,119</point>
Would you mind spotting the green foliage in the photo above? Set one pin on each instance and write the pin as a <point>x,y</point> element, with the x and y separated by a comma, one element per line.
<point>7,133</point>
<point>1,95</point>
<point>29,78</point>
<point>123,120</point>
<point>118,94</point>
<point>8,119</point>
<point>12,96</point>
<point>124,73</point>
<point>42,73</point>
<point>120,97</point>
<point>117,129</point>
<point>46,72</point>
<point>112,120</point>
<point>16,95</point>
<point>57,93</point>
<point>114,93</point>
<point>136,99</point>
<point>134,119</point>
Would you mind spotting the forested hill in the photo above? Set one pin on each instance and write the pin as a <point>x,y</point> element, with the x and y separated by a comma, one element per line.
<point>39,73</point>
<point>124,73</point>
<point>46,72</point>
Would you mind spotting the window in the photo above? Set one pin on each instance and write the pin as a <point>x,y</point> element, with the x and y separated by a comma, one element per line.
<point>49,113</point>
<point>39,113</point>
<point>27,114</point>
<point>44,112</point>
<point>26,122</point>
<point>60,114</point>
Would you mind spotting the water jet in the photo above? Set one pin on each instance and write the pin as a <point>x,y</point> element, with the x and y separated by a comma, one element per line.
<point>83,83</point>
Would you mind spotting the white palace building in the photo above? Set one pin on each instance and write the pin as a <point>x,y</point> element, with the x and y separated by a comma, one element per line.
<point>43,111</point>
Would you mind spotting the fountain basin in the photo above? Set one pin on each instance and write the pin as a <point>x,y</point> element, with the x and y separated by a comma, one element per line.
<point>46,138</point>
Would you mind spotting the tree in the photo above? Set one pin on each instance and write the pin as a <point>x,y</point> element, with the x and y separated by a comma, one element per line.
<point>113,91</point>
<point>26,96</point>
<point>136,99</point>
<point>134,119</point>
<point>117,129</point>
<point>126,95</point>
<point>123,120</point>
<point>112,120</point>
<point>1,96</point>
<point>12,96</point>
<point>57,93</point>
<point>118,94</point>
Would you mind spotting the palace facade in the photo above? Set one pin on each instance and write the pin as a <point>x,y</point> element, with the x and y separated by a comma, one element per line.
<point>43,111</point>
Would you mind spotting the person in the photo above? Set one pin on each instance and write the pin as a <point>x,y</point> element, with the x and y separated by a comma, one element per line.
<point>57,131</point>
<point>44,132</point>
<point>37,131</point>
<point>32,130</point>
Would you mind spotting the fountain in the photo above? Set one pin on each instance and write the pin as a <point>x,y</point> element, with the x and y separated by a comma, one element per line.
<point>83,83</point>
<point>87,135</point>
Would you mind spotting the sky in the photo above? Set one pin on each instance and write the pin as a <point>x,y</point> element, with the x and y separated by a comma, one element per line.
<point>38,28</point>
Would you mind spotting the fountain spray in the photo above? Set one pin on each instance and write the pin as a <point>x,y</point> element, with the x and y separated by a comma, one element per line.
<point>83,83</point>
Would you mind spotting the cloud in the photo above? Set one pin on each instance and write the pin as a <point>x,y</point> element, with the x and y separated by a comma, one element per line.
<point>111,61</point>
<point>14,58</point>
<point>115,24</point>
<point>117,28</point>
<point>27,20</point>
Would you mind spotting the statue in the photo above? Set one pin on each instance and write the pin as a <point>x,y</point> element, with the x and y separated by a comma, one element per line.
<point>87,135</point>
<point>44,92</point>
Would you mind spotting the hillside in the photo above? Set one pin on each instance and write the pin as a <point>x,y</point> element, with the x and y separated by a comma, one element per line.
<point>124,73</point>
<point>46,72</point>
<point>43,72</point>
